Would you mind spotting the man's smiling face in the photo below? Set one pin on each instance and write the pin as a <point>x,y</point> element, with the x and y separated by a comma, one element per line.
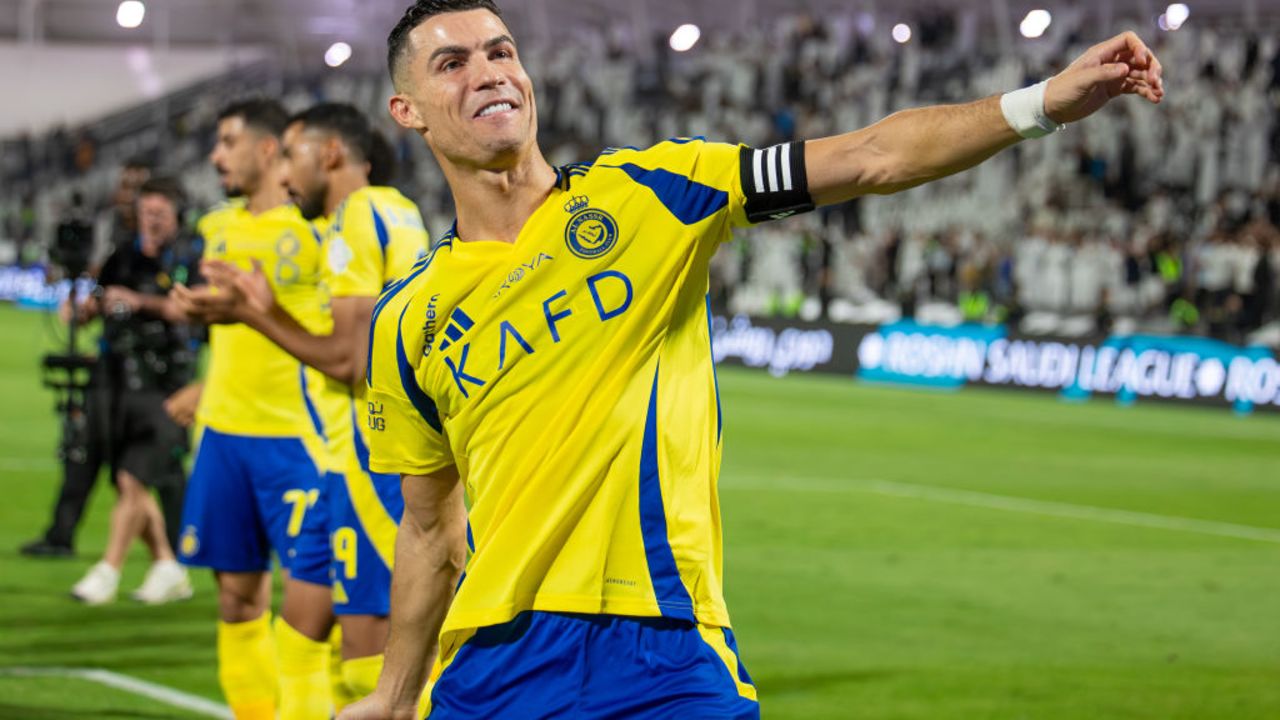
<point>467,89</point>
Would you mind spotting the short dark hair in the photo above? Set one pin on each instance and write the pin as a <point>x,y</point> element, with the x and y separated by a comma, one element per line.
<point>357,133</point>
<point>382,161</point>
<point>169,187</point>
<point>261,114</point>
<point>417,14</point>
<point>342,120</point>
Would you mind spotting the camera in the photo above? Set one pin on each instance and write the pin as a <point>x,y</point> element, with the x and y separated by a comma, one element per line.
<point>72,247</point>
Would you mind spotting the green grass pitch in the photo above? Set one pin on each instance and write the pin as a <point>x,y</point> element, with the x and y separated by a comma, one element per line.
<point>862,585</point>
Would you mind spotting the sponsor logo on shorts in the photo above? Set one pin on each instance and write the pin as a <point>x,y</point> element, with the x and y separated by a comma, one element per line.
<point>190,542</point>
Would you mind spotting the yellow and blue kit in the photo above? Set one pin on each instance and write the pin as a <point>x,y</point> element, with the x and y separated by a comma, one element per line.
<point>260,450</point>
<point>569,378</point>
<point>373,238</point>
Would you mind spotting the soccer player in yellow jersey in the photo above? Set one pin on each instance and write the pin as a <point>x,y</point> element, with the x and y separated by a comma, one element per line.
<point>551,359</point>
<point>260,453</point>
<point>372,235</point>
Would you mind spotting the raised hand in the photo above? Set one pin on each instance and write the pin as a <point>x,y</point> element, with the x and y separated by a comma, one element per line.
<point>1123,65</point>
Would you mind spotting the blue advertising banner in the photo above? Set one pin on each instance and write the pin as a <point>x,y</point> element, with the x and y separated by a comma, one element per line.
<point>29,287</point>
<point>1129,368</point>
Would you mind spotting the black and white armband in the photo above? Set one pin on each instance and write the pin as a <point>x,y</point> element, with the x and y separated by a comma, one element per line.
<point>774,182</point>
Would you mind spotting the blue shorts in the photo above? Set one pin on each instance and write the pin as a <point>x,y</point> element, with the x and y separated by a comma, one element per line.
<point>349,541</point>
<point>311,555</point>
<point>246,497</point>
<point>554,665</point>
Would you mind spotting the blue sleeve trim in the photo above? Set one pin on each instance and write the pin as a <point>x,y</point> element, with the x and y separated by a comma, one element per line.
<point>690,201</point>
<point>387,295</point>
<point>421,402</point>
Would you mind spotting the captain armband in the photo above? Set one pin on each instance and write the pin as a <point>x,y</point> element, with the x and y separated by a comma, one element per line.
<point>774,182</point>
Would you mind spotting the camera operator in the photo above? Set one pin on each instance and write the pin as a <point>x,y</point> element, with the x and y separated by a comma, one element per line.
<point>146,362</point>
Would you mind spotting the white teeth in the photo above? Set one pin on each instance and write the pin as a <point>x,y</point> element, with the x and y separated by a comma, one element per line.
<point>500,107</point>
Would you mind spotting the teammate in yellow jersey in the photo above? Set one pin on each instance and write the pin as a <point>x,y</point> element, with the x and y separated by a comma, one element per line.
<point>260,454</point>
<point>372,236</point>
<point>554,353</point>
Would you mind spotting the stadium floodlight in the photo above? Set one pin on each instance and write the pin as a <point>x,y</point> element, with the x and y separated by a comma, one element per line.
<point>685,37</point>
<point>337,54</point>
<point>1035,23</point>
<point>130,14</point>
<point>1176,14</point>
<point>902,33</point>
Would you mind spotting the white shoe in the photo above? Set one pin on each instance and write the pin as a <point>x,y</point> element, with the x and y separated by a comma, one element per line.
<point>98,586</point>
<point>166,582</point>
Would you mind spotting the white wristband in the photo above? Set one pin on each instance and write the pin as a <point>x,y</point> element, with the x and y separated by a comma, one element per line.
<point>1024,111</point>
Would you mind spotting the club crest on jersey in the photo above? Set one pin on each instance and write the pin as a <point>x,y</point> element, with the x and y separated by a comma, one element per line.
<point>590,233</point>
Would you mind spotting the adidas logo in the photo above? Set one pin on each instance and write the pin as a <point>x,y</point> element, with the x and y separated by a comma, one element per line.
<point>459,324</point>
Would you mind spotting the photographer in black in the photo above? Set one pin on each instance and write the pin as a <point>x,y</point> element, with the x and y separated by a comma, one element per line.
<point>146,363</point>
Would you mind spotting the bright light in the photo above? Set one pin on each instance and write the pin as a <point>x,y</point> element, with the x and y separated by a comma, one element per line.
<point>1035,23</point>
<point>130,13</point>
<point>1176,14</point>
<point>337,54</point>
<point>685,37</point>
<point>1162,22</point>
<point>902,33</point>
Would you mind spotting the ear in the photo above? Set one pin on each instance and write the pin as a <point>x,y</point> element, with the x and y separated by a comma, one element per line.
<point>405,114</point>
<point>269,148</point>
<point>333,155</point>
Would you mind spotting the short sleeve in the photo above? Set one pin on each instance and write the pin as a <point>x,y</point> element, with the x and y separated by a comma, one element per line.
<point>406,435</point>
<point>356,250</point>
<point>697,179</point>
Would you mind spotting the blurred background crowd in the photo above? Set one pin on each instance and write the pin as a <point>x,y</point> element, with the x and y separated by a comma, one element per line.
<point>1142,219</point>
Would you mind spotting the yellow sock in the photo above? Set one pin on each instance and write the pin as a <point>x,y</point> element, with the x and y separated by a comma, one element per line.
<point>342,696</point>
<point>361,674</point>
<point>304,675</point>
<point>247,668</point>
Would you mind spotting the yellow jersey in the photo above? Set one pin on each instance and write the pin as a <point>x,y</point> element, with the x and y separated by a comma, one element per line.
<point>569,378</point>
<point>371,239</point>
<point>252,386</point>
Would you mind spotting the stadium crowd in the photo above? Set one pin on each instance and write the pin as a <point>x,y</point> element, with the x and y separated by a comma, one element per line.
<point>1168,229</point>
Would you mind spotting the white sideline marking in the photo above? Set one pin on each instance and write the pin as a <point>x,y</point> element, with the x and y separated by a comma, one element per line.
<point>159,693</point>
<point>1005,502</point>
<point>22,464</point>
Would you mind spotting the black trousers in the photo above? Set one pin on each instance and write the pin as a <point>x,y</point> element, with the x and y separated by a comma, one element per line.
<point>123,430</point>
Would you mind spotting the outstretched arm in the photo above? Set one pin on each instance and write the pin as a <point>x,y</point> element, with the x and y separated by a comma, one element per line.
<point>917,146</point>
<point>430,552</point>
